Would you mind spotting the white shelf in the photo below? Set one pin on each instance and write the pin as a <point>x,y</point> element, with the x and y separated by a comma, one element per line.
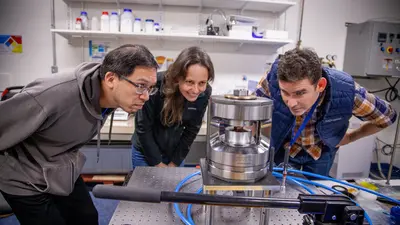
<point>68,34</point>
<point>278,6</point>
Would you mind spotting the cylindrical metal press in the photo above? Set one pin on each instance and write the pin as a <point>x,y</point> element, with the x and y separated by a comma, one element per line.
<point>235,153</point>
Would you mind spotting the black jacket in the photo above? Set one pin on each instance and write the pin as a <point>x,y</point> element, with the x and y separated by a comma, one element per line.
<point>154,139</point>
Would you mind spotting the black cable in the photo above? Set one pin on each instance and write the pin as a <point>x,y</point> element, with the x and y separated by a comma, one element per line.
<point>387,152</point>
<point>386,149</point>
<point>392,93</point>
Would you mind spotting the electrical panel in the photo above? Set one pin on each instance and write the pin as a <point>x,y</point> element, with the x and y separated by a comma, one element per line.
<point>372,49</point>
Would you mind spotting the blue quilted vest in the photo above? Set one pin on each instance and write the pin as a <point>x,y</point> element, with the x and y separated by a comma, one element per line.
<point>333,114</point>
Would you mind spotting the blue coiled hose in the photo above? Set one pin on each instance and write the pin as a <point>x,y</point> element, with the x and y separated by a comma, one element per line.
<point>176,206</point>
<point>278,175</point>
<point>291,179</point>
<point>340,182</point>
<point>189,208</point>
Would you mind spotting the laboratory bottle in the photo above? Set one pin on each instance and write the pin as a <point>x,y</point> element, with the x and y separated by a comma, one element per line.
<point>85,20</point>
<point>127,21</point>
<point>105,22</point>
<point>114,22</point>
<point>137,26</point>
<point>95,23</point>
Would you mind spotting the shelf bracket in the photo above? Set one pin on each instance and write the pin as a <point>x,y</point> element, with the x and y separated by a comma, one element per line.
<point>83,49</point>
<point>243,8</point>
<point>118,6</point>
<point>161,15</point>
<point>201,6</point>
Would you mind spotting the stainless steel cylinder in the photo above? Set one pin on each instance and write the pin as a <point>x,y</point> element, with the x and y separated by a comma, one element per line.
<point>235,154</point>
<point>237,164</point>
<point>237,138</point>
<point>232,109</point>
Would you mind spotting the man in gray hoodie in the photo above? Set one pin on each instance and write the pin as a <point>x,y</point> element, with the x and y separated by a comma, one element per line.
<point>43,127</point>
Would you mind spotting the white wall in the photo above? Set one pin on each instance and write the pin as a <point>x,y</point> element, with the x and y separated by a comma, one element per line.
<point>323,29</point>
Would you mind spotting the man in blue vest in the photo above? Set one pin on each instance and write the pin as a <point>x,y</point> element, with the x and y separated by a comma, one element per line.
<point>312,109</point>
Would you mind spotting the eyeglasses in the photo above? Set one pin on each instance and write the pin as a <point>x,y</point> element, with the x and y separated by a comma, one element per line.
<point>141,88</point>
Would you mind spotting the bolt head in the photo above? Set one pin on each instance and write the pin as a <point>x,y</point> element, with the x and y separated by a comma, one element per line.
<point>353,217</point>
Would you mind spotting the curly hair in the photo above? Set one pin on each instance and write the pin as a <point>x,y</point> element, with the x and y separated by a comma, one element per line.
<point>173,101</point>
<point>299,64</point>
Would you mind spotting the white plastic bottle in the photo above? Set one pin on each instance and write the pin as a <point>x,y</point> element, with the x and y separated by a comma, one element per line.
<point>137,26</point>
<point>85,20</point>
<point>78,23</point>
<point>95,23</point>
<point>114,22</point>
<point>149,26</point>
<point>127,21</point>
<point>156,27</point>
<point>105,22</point>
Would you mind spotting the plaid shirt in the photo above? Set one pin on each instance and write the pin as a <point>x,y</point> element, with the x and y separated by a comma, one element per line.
<point>367,107</point>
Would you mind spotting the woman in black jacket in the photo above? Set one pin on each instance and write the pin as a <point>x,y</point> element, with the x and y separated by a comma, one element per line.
<point>169,122</point>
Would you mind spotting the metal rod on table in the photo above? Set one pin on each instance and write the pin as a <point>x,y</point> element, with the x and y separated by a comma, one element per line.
<point>285,165</point>
<point>223,200</point>
<point>264,214</point>
<point>209,210</point>
<point>394,151</point>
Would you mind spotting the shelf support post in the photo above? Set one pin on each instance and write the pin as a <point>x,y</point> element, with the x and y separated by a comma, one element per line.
<point>54,68</point>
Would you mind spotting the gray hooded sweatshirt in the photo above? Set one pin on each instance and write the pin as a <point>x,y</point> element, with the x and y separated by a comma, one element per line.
<point>42,129</point>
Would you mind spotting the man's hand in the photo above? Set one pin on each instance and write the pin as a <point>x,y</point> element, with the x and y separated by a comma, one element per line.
<point>346,140</point>
<point>161,165</point>
<point>171,164</point>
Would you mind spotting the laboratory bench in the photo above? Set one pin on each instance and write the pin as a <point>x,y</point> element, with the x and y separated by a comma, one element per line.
<point>166,179</point>
<point>116,153</point>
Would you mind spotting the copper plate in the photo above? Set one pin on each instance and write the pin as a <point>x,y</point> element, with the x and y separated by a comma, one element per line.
<point>248,97</point>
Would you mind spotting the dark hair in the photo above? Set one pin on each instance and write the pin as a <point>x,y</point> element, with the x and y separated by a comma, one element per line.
<point>124,59</point>
<point>173,101</point>
<point>299,64</point>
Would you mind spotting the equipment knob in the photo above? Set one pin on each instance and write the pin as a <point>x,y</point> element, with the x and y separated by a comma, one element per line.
<point>390,49</point>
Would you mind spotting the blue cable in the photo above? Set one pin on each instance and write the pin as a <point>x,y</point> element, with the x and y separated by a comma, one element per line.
<point>341,182</point>
<point>292,179</point>
<point>330,189</point>
<point>189,208</point>
<point>176,206</point>
<point>295,182</point>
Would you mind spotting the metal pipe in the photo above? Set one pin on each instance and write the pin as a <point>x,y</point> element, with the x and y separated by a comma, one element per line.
<point>53,37</point>
<point>301,23</point>
<point>265,213</point>
<point>209,209</point>
<point>258,132</point>
<point>208,133</point>
<point>394,151</point>
<point>271,158</point>
<point>224,200</point>
<point>285,165</point>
